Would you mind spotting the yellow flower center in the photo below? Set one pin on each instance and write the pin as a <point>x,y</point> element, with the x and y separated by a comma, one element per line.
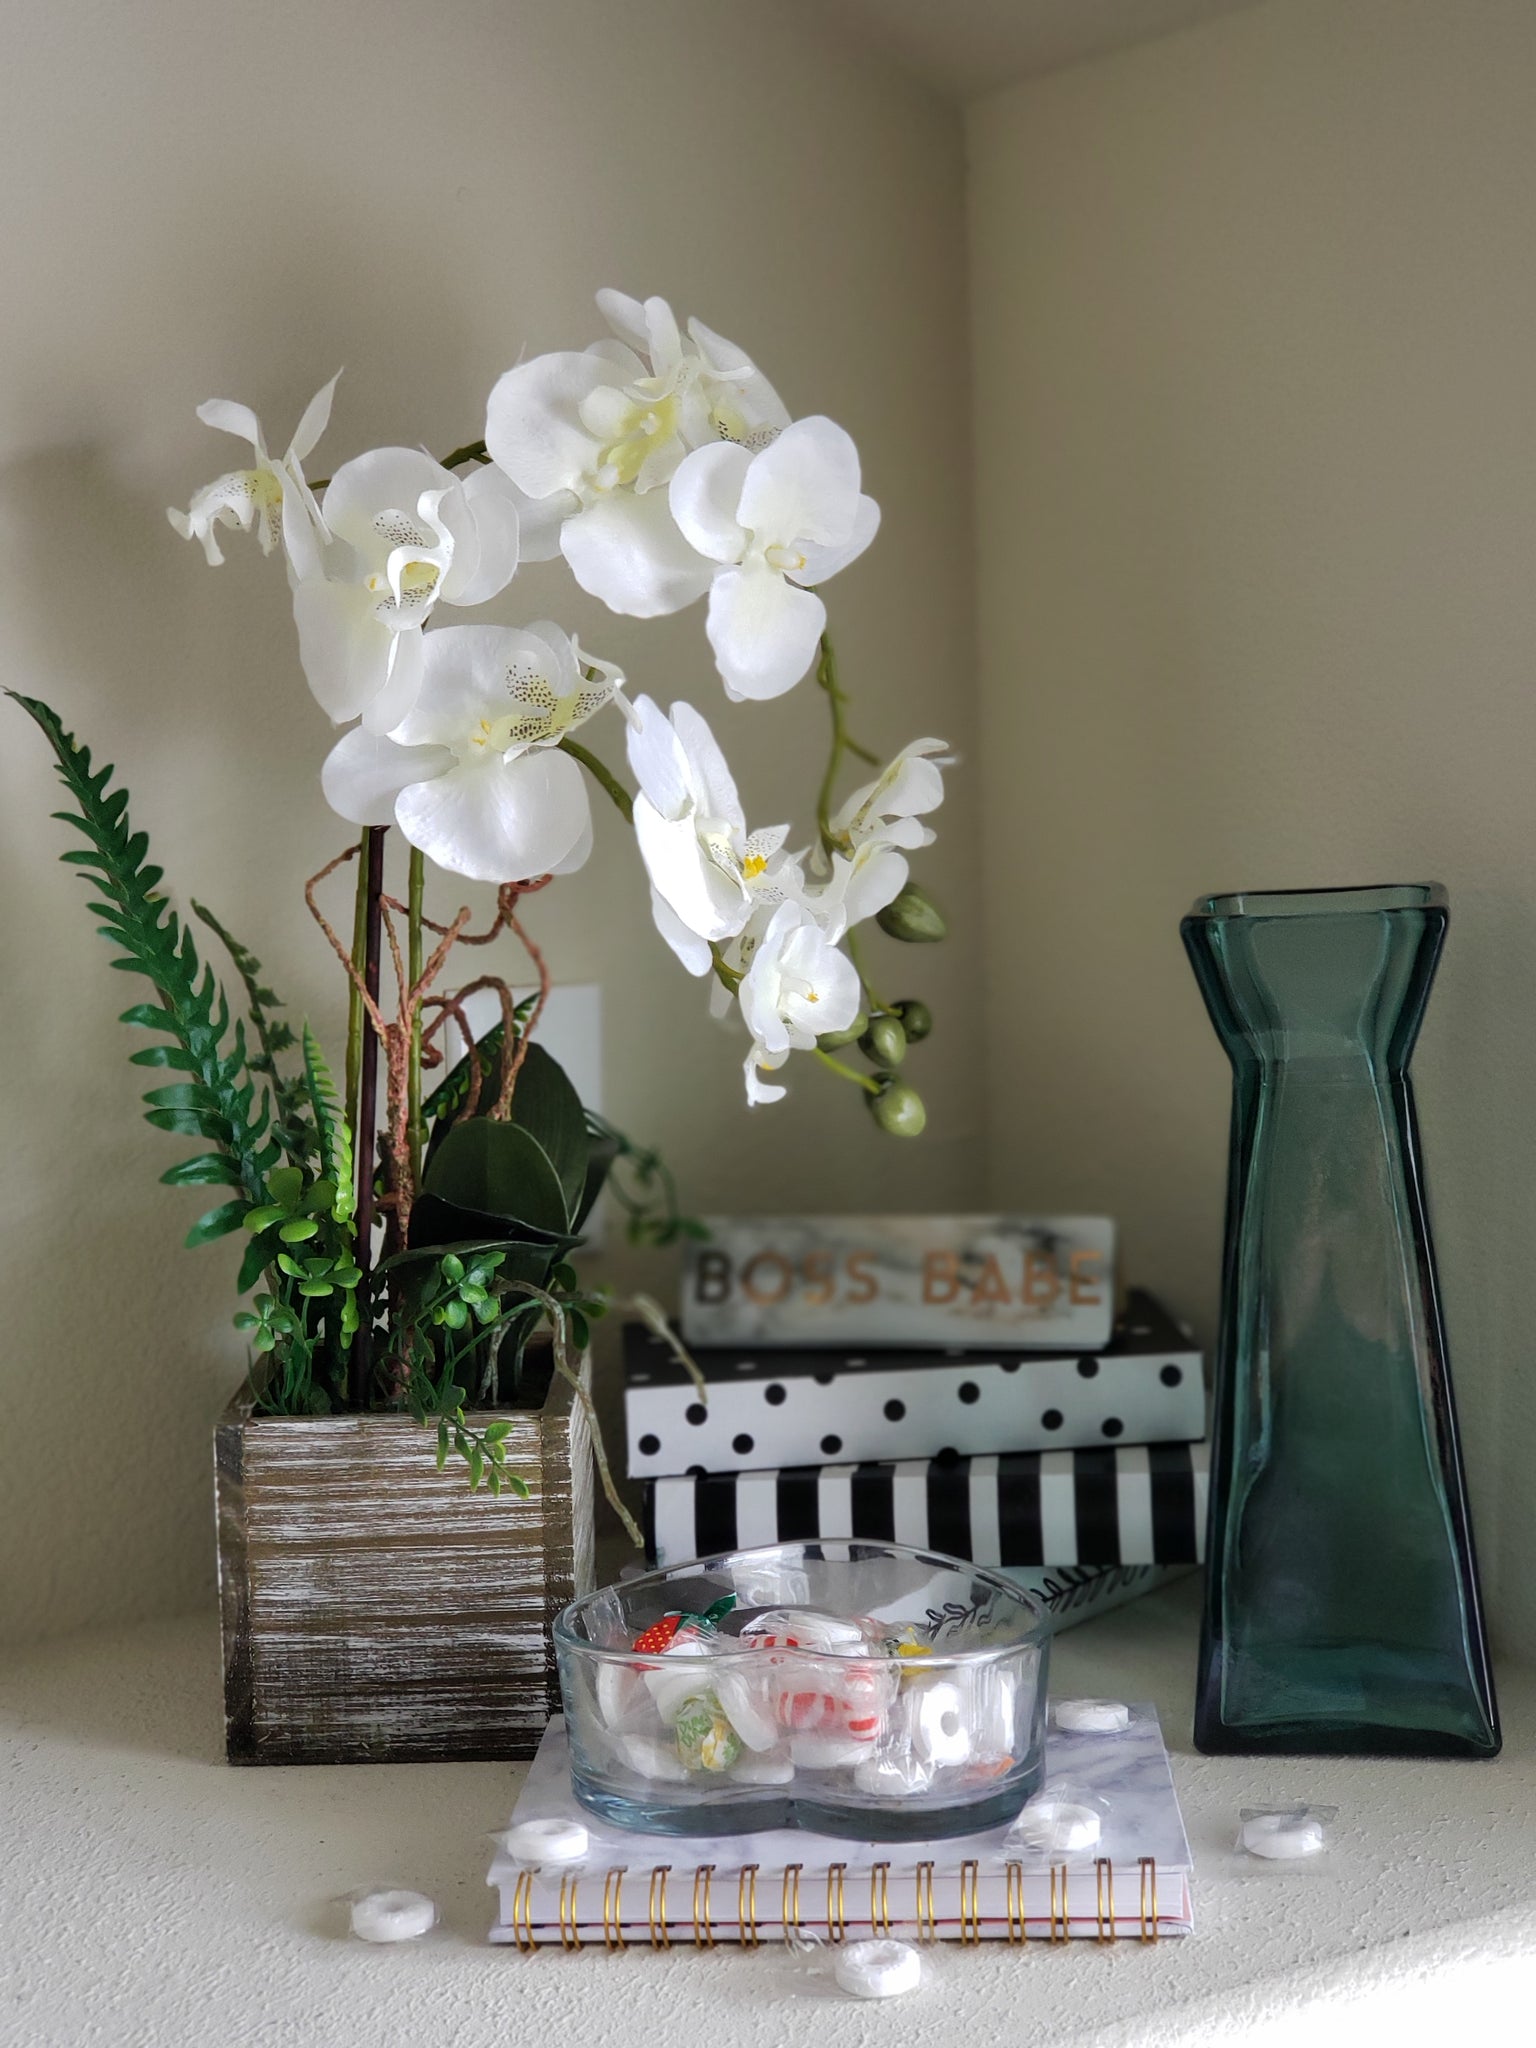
<point>754,865</point>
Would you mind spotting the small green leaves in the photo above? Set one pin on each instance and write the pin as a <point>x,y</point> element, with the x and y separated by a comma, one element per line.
<point>297,1229</point>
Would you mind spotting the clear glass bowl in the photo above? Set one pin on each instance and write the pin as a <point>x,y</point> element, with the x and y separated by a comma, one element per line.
<point>853,1688</point>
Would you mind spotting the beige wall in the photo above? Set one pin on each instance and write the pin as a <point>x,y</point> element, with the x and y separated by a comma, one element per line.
<point>219,198</point>
<point>1256,445</point>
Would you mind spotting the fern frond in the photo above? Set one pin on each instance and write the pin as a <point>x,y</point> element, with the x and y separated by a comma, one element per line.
<point>452,1092</point>
<point>335,1134</point>
<point>217,1099</point>
<point>292,1128</point>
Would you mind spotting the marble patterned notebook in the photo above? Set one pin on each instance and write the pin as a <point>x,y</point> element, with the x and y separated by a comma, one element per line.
<point>788,1884</point>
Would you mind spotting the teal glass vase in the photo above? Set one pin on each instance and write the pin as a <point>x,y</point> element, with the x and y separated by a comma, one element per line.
<point>1342,1612</point>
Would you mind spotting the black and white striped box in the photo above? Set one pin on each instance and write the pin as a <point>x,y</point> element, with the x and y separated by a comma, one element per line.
<point>768,1409</point>
<point>1144,1504</point>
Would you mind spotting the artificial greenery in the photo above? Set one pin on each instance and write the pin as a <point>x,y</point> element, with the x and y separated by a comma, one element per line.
<point>502,1201</point>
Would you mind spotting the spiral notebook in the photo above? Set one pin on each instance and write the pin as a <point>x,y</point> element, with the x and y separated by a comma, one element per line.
<point>785,1884</point>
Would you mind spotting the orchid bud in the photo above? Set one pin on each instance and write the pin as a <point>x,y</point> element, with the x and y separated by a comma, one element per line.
<point>829,1041</point>
<point>916,1018</point>
<point>898,1110</point>
<point>885,1042</point>
<point>913,916</point>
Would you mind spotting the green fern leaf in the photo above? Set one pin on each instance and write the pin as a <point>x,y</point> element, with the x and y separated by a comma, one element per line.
<point>336,1161</point>
<point>193,1013</point>
<point>293,1129</point>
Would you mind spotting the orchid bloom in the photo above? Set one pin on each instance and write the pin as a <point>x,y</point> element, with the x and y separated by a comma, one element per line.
<point>772,523</point>
<point>595,437</point>
<point>473,775</point>
<point>797,987</point>
<point>875,829</point>
<point>708,873</point>
<point>271,496</point>
<point>402,534</point>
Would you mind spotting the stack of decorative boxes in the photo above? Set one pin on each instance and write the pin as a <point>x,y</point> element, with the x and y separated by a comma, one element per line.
<point>956,1384</point>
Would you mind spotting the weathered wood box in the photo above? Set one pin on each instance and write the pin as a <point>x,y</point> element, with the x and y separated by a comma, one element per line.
<point>374,1610</point>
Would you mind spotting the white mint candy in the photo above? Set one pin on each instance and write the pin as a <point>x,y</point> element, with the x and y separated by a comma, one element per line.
<point>392,1916</point>
<point>878,1969</point>
<point>810,1628</point>
<point>893,1777</point>
<point>941,1731</point>
<point>622,1698</point>
<point>1283,1837</point>
<point>763,1770</point>
<point>648,1758</point>
<point>1092,1717</point>
<point>1055,1826</point>
<point>746,1697</point>
<point>547,1841</point>
<point>683,1675</point>
<point>814,1750</point>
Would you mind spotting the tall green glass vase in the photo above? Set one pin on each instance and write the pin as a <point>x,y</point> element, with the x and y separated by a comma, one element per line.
<point>1342,1610</point>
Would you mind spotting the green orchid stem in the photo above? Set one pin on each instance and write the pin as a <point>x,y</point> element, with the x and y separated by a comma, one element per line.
<point>417,881</point>
<point>876,1000</point>
<point>604,777</point>
<point>843,741</point>
<point>472,451</point>
<point>864,1081</point>
<point>355,1006</point>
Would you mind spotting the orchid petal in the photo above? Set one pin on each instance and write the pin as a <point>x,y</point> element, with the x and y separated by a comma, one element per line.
<point>533,426</point>
<point>823,562</point>
<point>229,417</point>
<point>704,495</point>
<point>803,488</point>
<point>693,951</point>
<point>709,902</point>
<point>365,772</point>
<point>657,760</point>
<point>492,501</point>
<point>626,550</point>
<point>404,667</point>
<point>344,650</point>
<point>763,631</point>
<point>714,785</point>
<point>467,672</point>
<point>314,421</point>
<point>496,821</point>
<point>372,501</point>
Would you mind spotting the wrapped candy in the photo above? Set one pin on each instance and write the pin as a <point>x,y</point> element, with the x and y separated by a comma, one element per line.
<point>706,1741</point>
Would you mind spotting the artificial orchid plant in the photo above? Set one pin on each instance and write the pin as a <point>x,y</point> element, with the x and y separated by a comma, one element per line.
<point>664,468</point>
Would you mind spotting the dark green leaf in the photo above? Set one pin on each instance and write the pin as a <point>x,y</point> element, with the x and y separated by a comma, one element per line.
<point>498,1169</point>
<point>189,1123</point>
<point>546,1106</point>
<point>205,1169</point>
<point>165,1056</point>
<point>217,1223</point>
<point>297,1229</point>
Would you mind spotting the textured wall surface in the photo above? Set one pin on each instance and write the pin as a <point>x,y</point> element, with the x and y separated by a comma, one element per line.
<point>1256,453</point>
<point>235,200</point>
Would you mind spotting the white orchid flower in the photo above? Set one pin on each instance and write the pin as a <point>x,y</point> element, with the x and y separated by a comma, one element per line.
<point>708,873</point>
<point>473,775</point>
<point>403,533</point>
<point>798,986</point>
<point>773,523</point>
<point>874,830</point>
<point>594,437</point>
<point>271,496</point>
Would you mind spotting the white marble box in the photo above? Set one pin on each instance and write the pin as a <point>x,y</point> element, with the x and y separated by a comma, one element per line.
<point>1015,1282</point>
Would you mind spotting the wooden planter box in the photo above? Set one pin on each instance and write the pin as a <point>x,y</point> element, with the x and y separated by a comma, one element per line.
<point>374,1610</point>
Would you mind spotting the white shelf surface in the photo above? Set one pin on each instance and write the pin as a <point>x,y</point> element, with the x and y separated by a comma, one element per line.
<point>152,1897</point>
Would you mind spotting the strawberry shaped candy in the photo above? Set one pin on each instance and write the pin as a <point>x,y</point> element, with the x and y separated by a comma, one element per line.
<point>660,1633</point>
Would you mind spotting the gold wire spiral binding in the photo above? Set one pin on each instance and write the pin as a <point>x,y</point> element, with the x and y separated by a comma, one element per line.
<point>660,1938</point>
<point>522,1915</point>
<point>1148,1894</point>
<point>880,1898</point>
<point>1104,1879</point>
<point>927,1922</point>
<point>570,1936</point>
<point>703,1937</point>
<point>836,1904</point>
<point>970,1903</point>
<point>790,1900</point>
<point>613,1910</point>
<point>1017,1929</point>
<point>1059,1916</point>
<point>746,1904</point>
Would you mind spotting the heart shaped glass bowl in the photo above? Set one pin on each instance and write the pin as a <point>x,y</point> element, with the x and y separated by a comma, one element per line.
<point>849,1687</point>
